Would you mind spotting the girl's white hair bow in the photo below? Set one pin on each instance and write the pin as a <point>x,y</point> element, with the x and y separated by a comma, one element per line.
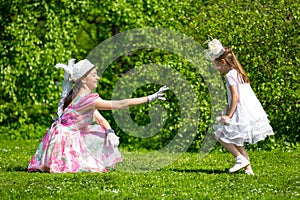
<point>215,49</point>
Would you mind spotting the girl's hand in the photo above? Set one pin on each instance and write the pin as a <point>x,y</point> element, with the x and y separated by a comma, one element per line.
<point>222,113</point>
<point>224,119</point>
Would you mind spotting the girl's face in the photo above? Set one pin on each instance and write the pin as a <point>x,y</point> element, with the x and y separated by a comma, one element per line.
<point>92,79</point>
<point>221,66</point>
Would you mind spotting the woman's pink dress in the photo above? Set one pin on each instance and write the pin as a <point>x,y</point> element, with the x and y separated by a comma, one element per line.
<point>75,142</point>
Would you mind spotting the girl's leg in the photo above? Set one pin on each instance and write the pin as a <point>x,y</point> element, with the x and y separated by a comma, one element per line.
<point>241,161</point>
<point>243,151</point>
<point>231,148</point>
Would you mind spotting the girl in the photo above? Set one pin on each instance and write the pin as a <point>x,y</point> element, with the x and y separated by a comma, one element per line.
<point>245,119</point>
<point>81,139</point>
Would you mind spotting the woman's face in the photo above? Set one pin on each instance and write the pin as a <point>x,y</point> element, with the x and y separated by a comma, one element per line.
<point>92,79</point>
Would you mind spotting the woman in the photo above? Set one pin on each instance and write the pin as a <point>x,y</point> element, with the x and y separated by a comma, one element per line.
<point>81,139</point>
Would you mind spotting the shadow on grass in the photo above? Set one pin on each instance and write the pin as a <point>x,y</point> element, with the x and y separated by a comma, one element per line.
<point>17,169</point>
<point>207,171</point>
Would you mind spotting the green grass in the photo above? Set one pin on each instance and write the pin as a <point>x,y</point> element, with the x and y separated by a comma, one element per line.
<point>190,177</point>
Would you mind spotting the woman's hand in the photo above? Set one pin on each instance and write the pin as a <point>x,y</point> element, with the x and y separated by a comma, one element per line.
<point>112,139</point>
<point>158,95</point>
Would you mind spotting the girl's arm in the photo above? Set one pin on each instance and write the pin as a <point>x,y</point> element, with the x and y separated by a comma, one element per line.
<point>233,104</point>
<point>234,100</point>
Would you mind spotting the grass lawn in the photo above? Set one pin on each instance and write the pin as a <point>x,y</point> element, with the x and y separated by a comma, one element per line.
<point>277,176</point>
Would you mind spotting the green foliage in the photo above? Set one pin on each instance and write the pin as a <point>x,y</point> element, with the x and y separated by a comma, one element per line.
<point>34,37</point>
<point>37,35</point>
<point>190,177</point>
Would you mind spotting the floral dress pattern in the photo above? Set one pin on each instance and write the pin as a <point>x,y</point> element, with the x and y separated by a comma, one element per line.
<point>75,142</point>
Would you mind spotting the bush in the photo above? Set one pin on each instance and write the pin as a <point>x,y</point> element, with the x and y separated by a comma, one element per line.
<point>263,34</point>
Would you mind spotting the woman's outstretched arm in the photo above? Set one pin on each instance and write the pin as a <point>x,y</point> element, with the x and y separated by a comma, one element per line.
<point>101,104</point>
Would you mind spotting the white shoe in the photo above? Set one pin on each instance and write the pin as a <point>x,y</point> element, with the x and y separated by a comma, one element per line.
<point>241,162</point>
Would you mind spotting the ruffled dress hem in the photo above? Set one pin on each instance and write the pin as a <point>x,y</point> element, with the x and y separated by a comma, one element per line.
<point>239,134</point>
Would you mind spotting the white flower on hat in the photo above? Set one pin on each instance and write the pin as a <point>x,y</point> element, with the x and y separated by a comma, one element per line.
<point>215,49</point>
<point>68,68</point>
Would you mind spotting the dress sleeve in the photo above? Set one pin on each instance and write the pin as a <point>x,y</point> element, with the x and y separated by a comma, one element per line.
<point>231,78</point>
<point>86,101</point>
<point>84,107</point>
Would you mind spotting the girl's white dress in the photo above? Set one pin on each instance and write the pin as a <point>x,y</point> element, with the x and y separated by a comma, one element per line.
<point>249,122</point>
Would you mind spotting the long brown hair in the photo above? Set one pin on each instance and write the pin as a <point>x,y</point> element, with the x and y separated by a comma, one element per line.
<point>232,61</point>
<point>73,93</point>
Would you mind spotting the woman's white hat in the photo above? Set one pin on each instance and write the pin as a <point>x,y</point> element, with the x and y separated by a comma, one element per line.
<point>81,68</point>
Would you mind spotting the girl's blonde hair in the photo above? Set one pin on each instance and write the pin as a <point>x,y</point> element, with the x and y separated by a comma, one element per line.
<point>232,61</point>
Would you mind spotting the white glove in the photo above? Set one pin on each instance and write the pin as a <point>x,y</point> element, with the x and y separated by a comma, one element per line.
<point>112,139</point>
<point>158,95</point>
